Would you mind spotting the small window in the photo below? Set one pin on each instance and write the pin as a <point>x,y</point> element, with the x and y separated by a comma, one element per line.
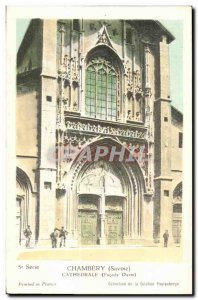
<point>177,208</point>
<point>128,36</point>
<point>47,185</point>
<point>76,25</point>
<point>92,26</point>
<point>115,32</point>
<point>180,139</point>
<point>166,193</point>
<point>165,119</point>
<point>49,98</point>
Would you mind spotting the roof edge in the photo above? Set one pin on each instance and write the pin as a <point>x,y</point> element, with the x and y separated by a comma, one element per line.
<point>26,37</point>
<point>177,110</point>
<point>171,36</point>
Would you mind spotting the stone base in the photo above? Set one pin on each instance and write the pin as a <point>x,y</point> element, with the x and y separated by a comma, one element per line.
<point>170,244</point>
<point>138,242</point>
<point>126,240</point>
<point>44,243</point>
<point>102,241</point>
<point>72,243</point>
<point>69,243</point>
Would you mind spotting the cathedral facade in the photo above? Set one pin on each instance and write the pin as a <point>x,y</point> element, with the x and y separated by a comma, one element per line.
<point>99,145</point>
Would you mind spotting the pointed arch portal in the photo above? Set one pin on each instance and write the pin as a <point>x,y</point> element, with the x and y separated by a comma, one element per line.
<point>106,200</point>
<point>23,189</point>
<point>177,214</point>
<point>100,207</point>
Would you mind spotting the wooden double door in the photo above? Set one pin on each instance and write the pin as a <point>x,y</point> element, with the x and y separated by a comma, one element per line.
<point>113,227</point>
<point>89,221</point>
<point>89,229</point>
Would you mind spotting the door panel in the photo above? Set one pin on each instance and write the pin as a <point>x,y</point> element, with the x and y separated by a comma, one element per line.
<point>177,226</point>
<point>88,227</point>
<point>18,220</point>
<point>113,227</point>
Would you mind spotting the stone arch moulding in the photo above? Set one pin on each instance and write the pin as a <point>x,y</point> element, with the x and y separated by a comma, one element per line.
<point>177,214</point>
<point>23,178</point>
<point>23,196</point>
<point>106,51</point>
<point>101,141</point>
<point>177,192</point>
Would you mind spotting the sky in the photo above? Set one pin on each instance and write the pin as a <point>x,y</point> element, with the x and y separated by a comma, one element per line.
<point>176,62</point>
<point>176,56</point>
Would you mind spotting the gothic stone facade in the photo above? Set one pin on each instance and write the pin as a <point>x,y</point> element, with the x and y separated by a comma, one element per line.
<point>88,83</point>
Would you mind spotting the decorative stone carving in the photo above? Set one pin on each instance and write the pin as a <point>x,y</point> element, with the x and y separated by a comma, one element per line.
<point>103,37</point>
<point>148,112</point>
<point>137,116</point>
<point>102,129</point>
<point>61,27</point>
<point>134,93</point>
<point>69,70</point>
<point>75,71</point>
<point>65,103</point>
<point>149,172</point>
<point>96,62</point>
<point>133,84</point>
<point>75,106</point>
<point>75,140</point>
<point>58,116</point>
<point>98,180</point>
<point>61,186</point>
<point>147,92</point>
<point>64,71</point>
<point>129,115</point>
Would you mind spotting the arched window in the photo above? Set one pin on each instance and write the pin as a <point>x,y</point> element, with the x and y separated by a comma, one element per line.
<point>101,89</point>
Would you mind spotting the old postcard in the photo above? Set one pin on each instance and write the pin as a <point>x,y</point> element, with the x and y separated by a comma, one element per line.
<point>99,106</point>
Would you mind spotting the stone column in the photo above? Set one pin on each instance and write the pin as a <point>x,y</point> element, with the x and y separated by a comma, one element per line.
<point>102,238</point>
<point>126,221</point>
<point>163,179</point>
<point>147,218</point>
<point>147,67</point>
<point>81,38</point>
<point>149,117</point>
<point>136,216</point>
<point>32,215</point>
<point>47,143</point>
<point>71,100</point>
<point>71,217</point>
